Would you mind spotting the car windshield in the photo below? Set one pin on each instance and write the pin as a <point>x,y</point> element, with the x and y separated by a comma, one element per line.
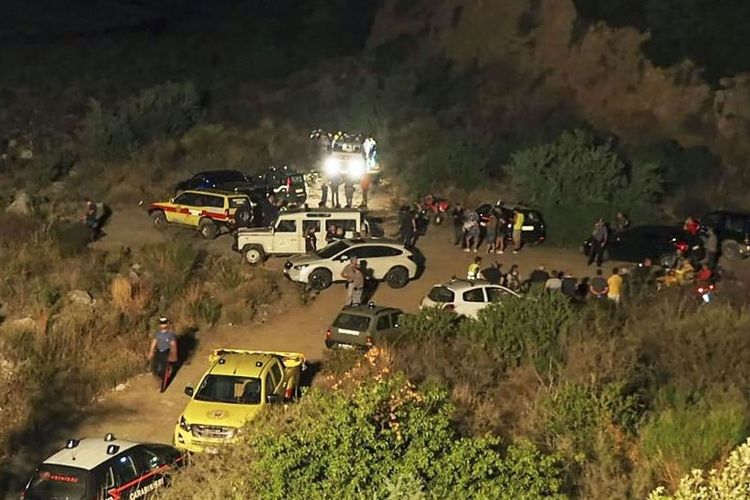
<point>57,482</point>
<point>334,248</point>
<point>352,322</point>
<point>441,294</point>
<point>297,178</point>
<point>229,389</point>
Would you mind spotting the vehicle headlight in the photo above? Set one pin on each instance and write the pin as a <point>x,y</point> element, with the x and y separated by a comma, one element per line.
<point>231,432</point>
<point>301,267</point>
<point>183,423</point>
<point>356,167</point>
<point>332,166</point>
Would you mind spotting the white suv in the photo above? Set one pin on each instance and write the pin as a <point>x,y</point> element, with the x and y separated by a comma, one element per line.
<point>465,297</point>
<point>287,235</point>
<point>381,259</point>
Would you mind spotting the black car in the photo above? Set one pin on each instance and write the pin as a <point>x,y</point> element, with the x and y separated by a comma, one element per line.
<point>733,230</point>
<point>654,242</point>
<point>227,180</point>
<point>534,230</point>
<point>285,184</point>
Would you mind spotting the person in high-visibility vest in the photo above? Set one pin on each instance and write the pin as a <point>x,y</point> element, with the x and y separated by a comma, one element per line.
<point>474,272</point>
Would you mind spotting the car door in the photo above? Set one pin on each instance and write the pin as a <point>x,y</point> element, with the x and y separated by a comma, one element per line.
<point>153,466</point>
<point>287,237</point>
<point>212,206</point>
<point>496,293</point>
<point>192,211</point>
<point>473,300</point>
<point>394,333</point>
<point>181,208</point>
<point>127,476</point>
<point>378,260</point>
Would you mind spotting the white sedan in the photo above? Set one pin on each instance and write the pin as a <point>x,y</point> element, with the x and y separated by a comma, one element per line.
<point>465,297</point>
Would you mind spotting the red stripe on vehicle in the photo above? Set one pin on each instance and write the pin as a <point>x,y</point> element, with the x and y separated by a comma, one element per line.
<point>115,493</point>
<point>214,215</point>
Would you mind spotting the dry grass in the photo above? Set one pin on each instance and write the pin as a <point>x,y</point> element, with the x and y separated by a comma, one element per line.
<point>131,298</point>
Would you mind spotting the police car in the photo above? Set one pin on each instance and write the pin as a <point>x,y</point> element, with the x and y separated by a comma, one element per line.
<point>108,468</point>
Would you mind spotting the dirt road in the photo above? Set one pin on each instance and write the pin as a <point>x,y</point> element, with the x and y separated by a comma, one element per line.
<point>140,412</point>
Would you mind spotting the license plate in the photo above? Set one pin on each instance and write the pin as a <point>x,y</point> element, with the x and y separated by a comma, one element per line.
<point>211,450</point>
<point>347,347</point>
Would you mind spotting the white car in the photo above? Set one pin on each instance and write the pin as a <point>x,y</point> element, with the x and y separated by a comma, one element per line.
<point>383,260</point>
<point>465,297</point>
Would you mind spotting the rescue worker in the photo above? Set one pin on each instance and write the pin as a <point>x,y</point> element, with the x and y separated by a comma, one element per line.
<point>518,220</point>
<point>355,282</point>
<point>457,217</point>
<point>406,225</point>
<point>163,352</point>
<point>474,272</point>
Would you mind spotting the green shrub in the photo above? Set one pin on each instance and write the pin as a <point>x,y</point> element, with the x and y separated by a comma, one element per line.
<point>429,323</point>
<point>357,443</point>
<point>577,171</point>
<point>524,328</point>
<point>158,112</point>
<point>685,433</point>
<point>730,482</point>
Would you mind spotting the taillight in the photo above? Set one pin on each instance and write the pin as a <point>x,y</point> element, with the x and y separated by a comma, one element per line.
<point>288,182</point>
<point>369,341</point>
<point>288,393</point>
<point>328,334</point>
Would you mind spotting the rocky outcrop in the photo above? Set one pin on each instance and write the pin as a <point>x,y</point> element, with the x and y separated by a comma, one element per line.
<point>537,55</point>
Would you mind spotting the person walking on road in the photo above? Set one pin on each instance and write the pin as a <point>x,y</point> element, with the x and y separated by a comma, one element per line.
<point>599,238</point>
<point>364,185</point>
<point>355,282</point>
<point>472,232</point>
<point>163,352</point>
<point>518,220</point>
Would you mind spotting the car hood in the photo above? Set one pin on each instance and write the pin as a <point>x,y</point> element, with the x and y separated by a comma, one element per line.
<point>219,414</point>
<point>308,258</point>
<point>255,230</point>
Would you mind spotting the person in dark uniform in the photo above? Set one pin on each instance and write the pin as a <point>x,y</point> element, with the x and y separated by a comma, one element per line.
<point>163,351</point>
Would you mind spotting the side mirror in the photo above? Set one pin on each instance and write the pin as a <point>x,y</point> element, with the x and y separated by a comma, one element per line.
<point>273,398</point>
<point>189,391</point>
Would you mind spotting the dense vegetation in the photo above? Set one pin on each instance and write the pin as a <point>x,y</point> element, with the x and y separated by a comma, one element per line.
<point>591,402</point>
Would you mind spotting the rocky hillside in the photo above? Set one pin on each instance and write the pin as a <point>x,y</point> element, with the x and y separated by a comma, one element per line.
<point>539,58</point>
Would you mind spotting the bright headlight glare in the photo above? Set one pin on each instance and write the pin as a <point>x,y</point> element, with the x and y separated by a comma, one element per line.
<point>356,167</point>
<point>331,166</point>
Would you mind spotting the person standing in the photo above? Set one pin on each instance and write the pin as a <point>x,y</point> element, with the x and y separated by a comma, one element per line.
<point>501,230</point>
<point>598,286</point>
<point>355,282</point>
<point>364,185</point>
<point>599,237</point>
<point>711,243</point>
<point>614,286</point>
<point>163,352</point>
<point>334,183</point>
<point>621,222</point>
<point>323,191</point>
<point>405,226</point>
<point>349,193</point>
<point>518,220</point>
<point>457,216</point>
<point>491,231</point>
<point>311,240</point>
<point>513,279</point>
<point>472,231</point>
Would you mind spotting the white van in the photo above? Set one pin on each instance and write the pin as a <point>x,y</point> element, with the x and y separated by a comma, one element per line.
<point>287,235</point>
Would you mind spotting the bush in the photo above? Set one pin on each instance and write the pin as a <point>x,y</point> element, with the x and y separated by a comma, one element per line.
<point>687,434</point>
<point>731,482</point>
<point>578,171</point>
<point>158,112</point>
<point>521,328</point>
<point>361,441</point>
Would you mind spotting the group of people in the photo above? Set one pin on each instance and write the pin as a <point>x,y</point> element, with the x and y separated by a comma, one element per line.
<point>498,227</point>
<point>332,183</point>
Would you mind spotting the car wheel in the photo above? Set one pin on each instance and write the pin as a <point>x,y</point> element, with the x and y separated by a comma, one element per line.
<point>208,229</point>
<point>159,219</point>
<point>254,255</point>
<point>320,279</point>
<point>397,277</point>
<point>243,216</point>
<point>731,250</point>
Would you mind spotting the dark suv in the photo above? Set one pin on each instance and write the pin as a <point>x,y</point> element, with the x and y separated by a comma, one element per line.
<point>285,184</point>
<point>227,180</point>
<point>534,230</point>
<point>733,231</point>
